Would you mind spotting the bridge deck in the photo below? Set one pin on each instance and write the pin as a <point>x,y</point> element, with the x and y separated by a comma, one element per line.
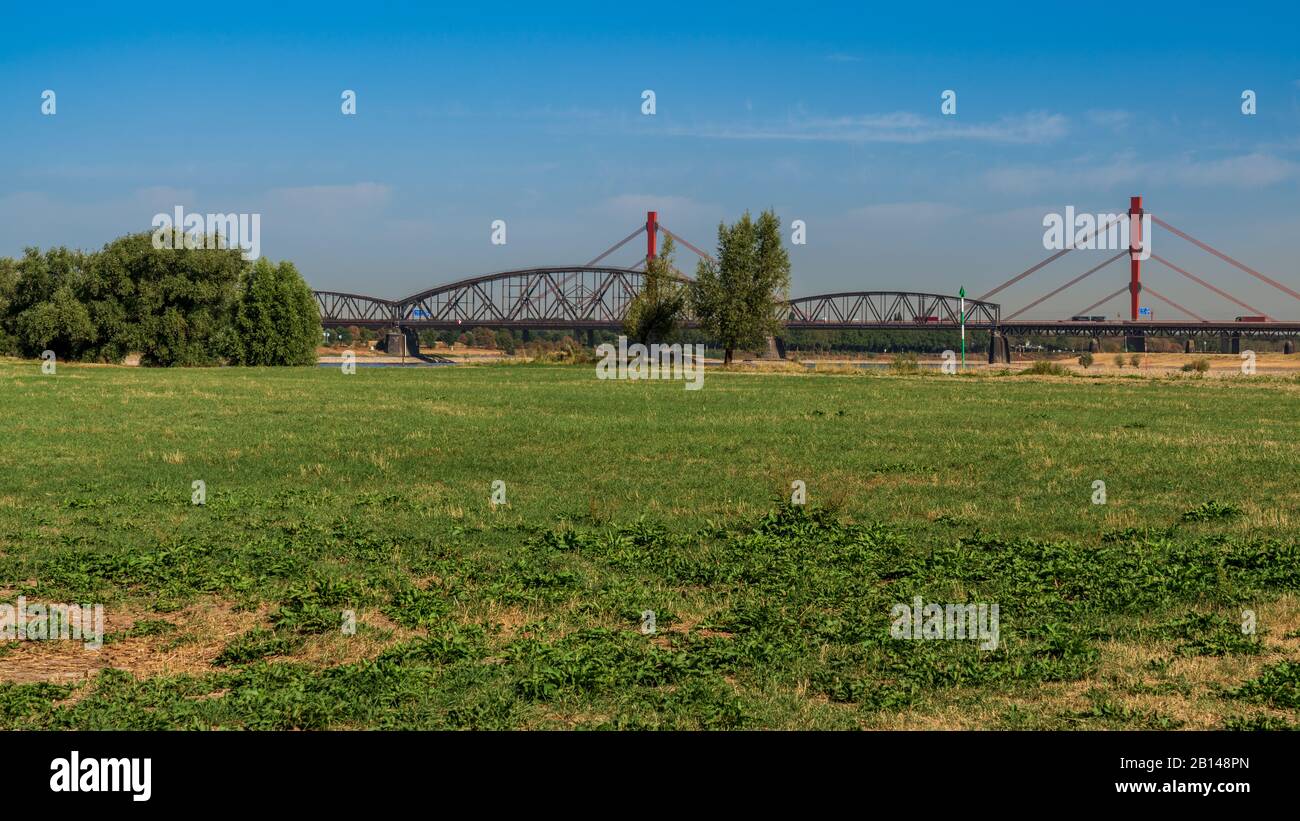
<point>586,297</point>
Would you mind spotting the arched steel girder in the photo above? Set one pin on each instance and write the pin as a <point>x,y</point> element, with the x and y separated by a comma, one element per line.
<point>338,308</point>
<point>887,309</point>
<point>563,296</point>
<point>586,296</point>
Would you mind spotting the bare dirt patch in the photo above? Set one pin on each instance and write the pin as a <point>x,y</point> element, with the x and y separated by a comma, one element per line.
<point>201,631</point>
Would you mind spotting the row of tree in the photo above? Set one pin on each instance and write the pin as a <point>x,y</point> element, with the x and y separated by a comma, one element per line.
<point>187,306</point>
<point>855,341</point>
<point>735,296</point>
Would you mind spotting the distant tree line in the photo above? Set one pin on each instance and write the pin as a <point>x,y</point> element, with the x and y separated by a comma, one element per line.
<point>918,341</point>
<point>508,340</point>
<point>187,306</point>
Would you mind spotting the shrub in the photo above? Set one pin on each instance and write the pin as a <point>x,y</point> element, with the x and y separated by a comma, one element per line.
<point>904,363</point>
<point>1046,367</point>
<point>1119,360</point>
<point>1086,359</point>
<point>1212,510</point>
<point>1197,366</point>
<point>176,305</point>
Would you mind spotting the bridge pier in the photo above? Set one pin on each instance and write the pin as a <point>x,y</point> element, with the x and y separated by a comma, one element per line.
<point>1288,347</point>
<point>1229,343</point>
<point>1094,345</point>
<point>412,341</point>
<point>775,350</point>
<point>1135,343</point>
<point>395,343</point>
<point>1189,346</point>
<point>999,349</point>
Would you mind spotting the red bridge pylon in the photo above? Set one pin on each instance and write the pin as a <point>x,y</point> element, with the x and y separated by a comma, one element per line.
<point>652,228</point>
<point>1139,247</point>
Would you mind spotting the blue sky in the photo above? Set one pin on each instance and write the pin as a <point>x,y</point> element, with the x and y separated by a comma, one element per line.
<point>531,113</point>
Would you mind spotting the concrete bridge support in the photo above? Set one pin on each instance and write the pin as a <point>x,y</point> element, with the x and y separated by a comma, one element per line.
<point>999,349</point>
<point>1189,346</point>
<point>1094,346</point>
<point>395,342</point>
<point>775,349</point>
<point>1288,347</point>
<point>1229,343</point>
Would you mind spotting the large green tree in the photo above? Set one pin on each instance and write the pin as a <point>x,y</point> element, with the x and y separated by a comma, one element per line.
<point>276,320</point>
<point>8,287</point>
<point>653,314</point>
<point>60,324</point>
<point>45,306</point>
<point>173,305</point>
<point>736,296</point>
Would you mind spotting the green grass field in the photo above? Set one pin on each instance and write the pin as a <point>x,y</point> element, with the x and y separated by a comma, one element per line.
<point>371,492</point>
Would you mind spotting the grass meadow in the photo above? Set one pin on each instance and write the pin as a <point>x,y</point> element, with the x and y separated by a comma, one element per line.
<point>372,493</point>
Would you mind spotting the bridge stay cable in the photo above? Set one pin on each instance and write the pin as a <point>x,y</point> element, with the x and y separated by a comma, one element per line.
<point>1226,258</point>
<point>1162,223</point>
<point>1169,301</point>
<point>616,246</point>
<point>1199,281</point>
<point>1104,300</point>
<point>1049,260</point>
<point>678,239</point>
<point>1074,281</point>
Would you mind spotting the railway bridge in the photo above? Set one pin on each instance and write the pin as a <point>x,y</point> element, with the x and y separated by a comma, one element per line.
<point>596,296</point>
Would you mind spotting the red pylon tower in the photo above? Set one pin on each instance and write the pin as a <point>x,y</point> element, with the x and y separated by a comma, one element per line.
<point>1135,240</point>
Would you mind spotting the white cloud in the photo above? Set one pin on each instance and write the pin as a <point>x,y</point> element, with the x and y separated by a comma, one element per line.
<point>1015,223</point>
<point>1084,173</point>
<point>1112,118</point>
<point>1246,171</point>
<point>164,197</point>
<point>36,218</point>
<point>333,198</point>
<point>632,208</point>
<point>903,214</point>
<point>1254,170</point>
<point>894,127</point>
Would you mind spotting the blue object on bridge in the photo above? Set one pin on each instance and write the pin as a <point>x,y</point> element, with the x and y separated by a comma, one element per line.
<point>1144,312</point>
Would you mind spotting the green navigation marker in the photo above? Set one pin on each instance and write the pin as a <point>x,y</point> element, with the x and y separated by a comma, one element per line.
<point>962,293</point>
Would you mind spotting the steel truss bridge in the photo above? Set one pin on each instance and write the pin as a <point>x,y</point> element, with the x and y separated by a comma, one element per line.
<point>596,296</point>
<point>581,297</point>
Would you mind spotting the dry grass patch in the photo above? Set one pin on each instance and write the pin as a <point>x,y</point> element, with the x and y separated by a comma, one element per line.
<point>201,631</point>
